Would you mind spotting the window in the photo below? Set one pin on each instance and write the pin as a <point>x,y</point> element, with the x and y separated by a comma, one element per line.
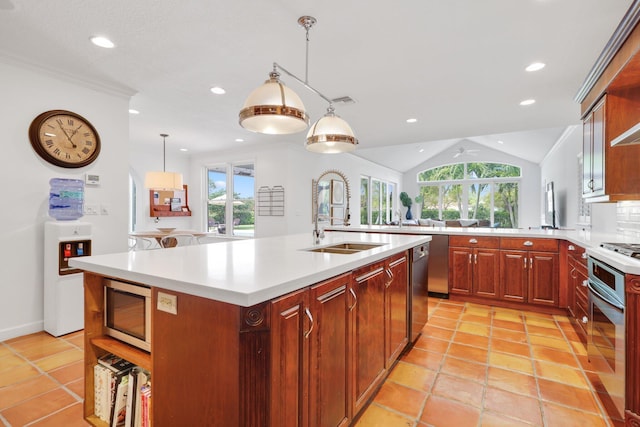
<point>377,201</point>
<point>231,199</point>
<point>488,192</point>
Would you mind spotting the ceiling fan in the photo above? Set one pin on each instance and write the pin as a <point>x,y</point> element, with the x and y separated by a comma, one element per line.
<point>461,150</point>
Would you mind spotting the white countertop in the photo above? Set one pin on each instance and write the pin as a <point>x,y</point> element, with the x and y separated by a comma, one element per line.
<point>585,238</point>
<point>245,272</point>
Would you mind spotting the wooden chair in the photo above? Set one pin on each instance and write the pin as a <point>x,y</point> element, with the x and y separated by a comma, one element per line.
<point>173,240</point>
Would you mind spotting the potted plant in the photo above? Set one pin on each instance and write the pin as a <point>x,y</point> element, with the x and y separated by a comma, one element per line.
<point>406,202</point>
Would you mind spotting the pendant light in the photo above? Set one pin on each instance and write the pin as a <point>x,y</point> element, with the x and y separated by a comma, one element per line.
<point>330,135</point>
<point>273,108</point>
<point>167,181</point>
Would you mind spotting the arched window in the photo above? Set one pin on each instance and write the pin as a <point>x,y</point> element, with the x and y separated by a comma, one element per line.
<point>486,192</point>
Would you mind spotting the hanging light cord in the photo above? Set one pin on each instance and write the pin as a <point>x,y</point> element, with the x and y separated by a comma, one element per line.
<point>164,151</point>
<point>307,22</point>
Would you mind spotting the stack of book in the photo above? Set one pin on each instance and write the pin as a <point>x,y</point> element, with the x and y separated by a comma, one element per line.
<point>122,392</point>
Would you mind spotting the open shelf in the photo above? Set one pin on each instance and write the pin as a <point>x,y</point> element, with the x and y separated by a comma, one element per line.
<point>127,352</point>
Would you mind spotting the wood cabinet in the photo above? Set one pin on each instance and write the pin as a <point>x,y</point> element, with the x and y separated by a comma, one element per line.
<point>529,271</point>
<point>369,325</point>
<point>381,329</point>
<point>313,357</point>
<point>396,307</point>
<point>577,279</point>
<point>593,151</point>
<point>474,265</point>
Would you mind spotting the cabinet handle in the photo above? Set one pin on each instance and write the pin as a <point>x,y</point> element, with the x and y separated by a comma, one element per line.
<point>571,248</point>
<point>584,255</point>
<point>528,243</point>
<point>585,319</point>
<point>530,262</point>
<point>572,273</point>
<point>308,313</point>
<point>473,240</point>
<point>585,283</point>
<point>525,262</point>
<point>355,299</point>
<point>590,184</point>
<point>475,258</point>
<point>469,258</point>
<point>390,274</point>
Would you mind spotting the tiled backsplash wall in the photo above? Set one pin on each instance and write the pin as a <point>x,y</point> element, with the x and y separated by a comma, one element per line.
<point>628,218</point>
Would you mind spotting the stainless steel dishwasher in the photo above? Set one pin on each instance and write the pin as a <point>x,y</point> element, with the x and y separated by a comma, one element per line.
<point>418,313</point>
<point>439,266</point>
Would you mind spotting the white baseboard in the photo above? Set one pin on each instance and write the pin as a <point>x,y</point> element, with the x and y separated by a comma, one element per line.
<point>18,331</point>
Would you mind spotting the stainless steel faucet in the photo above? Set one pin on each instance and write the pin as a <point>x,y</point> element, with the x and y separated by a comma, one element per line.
<point>318,233</point>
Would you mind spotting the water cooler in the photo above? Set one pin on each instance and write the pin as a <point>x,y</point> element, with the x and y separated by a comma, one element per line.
<point>63,289</point>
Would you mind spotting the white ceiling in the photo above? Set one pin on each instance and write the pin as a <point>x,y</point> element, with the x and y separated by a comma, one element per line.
<point>455,65</point>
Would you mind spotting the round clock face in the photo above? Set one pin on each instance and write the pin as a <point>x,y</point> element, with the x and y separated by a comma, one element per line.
<point>64,139</point>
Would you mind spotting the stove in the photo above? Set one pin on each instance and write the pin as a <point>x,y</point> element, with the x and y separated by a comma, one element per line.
<point>628,249</point>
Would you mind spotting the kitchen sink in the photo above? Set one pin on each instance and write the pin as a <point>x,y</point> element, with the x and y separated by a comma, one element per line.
<point>345,248</point>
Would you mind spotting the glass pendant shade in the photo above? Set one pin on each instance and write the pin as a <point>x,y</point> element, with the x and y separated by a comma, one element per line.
<point>167,181</point>
<point>331,135</point>
<point>274,109</point>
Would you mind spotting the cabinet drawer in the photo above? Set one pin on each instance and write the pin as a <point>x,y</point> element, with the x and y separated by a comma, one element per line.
<point>550,245</point>
<point>578,254</point>
<point>475,242</point>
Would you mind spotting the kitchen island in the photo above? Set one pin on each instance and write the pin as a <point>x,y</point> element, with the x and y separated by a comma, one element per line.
<point>265,332</point>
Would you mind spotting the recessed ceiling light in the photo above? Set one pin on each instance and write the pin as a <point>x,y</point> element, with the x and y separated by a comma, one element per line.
<point>421,150</point>
<point>184,149</point>
<point>500,141</point>
<point>218,90</point>
<point>132,111</point>
<point>412,120</point>
<point>528,102</point>
<point>102,42</point>
<point>535,66</point>
<point>239,140</point>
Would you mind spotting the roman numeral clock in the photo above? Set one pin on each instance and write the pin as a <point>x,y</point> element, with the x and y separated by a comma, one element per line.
<point>64,138</point>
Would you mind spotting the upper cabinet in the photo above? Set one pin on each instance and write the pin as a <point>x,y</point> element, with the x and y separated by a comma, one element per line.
<point>593,143</point>
<point>611,110</point>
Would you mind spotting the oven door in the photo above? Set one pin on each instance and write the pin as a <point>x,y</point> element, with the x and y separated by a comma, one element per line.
<point>607,351</point>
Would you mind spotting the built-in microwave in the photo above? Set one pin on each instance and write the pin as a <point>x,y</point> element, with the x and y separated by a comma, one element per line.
<point>127,313</point>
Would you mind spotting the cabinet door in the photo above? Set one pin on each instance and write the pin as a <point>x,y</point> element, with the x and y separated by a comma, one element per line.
<point>368,335</point>
<point>513,275</point>
<point>486,274</point>
<point>330,304</point>
<point>587,154</point>
<point>396,302</point>
<point>543,278</point>
<point>572,277</point>
<point>598,149</point>
<point>460,270</point>
<point>290,351</point>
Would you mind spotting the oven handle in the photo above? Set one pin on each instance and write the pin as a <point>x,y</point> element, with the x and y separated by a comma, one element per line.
<point>609,301</point>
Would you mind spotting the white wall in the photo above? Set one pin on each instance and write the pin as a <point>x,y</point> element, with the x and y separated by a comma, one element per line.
<point>293,168</point>
<point>25,94</point>
<point>530,196</point>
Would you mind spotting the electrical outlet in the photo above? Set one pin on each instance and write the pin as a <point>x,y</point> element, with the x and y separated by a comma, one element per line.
<point>104,209</point>
<point>90,209</point>
<point>167,303</point>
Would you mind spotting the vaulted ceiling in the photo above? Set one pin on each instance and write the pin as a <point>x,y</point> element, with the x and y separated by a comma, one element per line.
<point>456,66</point>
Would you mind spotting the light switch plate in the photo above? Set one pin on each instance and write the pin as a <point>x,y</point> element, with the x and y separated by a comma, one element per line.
<point>167,303</point>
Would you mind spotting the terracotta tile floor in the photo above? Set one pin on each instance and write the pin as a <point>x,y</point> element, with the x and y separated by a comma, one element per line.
<point>474,365</point>
<point>477,365</point>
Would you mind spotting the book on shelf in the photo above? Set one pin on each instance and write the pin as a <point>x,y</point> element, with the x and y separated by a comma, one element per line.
<point>119,410</point>
<point>115,363</point>
<point>138,378</point>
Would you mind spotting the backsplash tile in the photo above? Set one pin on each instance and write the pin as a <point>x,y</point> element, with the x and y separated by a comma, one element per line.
<point>628,218</point>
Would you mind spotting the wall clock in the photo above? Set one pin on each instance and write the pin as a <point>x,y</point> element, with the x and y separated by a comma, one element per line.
<point>64,138</point>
